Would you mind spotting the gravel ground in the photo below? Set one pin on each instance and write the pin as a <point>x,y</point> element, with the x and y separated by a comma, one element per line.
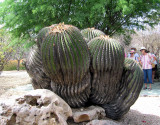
<point>11,79</point>
<point>146,110</point>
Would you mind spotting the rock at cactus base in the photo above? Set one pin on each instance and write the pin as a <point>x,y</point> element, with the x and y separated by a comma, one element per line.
<point>38,107</point>
<point>88,114</point>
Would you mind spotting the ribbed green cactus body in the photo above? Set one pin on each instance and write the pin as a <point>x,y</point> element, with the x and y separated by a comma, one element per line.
<point>107,57</point>
<point>91,33</point>
<point>35,70</point>
<point>66,60</point>
<point>65,54</point>
<point>130,87</point>
<point>76,95</point>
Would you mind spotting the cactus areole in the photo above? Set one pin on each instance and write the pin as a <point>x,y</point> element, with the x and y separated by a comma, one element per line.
<point>84,68</point>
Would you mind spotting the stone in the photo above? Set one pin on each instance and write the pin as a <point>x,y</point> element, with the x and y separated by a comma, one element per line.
<point>38,107</point>
<point>88,114</point>
<point>103,122</point>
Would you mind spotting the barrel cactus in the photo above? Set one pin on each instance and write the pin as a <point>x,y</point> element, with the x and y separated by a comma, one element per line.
<point>107,57</point>
<point>129,89</point>
<point>91,33</point>
<point>34,68</point>
<point>66,60</point>
<point>85,67</point>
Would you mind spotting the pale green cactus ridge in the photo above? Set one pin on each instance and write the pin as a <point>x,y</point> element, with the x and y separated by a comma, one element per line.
<point>47,55</point>
<point>81,49</point>
<point>84,46</point>
<point>95,54</point>
<point>43,54</point>
<point>66,38</point>
<point>80,56</point>
<point>53,67</point>
<point>115,53</point>
<point>74,57</point>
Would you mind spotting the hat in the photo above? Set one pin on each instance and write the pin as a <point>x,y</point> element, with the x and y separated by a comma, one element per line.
<point>132,51</point>
<point>143,48</point>
<point>133,48</point>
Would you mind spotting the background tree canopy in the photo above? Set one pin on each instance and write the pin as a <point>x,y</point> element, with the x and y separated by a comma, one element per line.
<point>24,18</point>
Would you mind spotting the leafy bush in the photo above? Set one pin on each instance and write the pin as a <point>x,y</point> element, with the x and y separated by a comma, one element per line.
<point>12,65</point>
<point>5,54</point>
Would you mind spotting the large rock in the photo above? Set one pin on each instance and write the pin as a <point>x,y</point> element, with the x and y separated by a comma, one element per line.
<point>102,122</point>
<point>38,107</point>
<point>88,114</point>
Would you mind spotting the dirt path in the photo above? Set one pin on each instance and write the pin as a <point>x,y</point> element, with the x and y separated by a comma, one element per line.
<point>11,79</point>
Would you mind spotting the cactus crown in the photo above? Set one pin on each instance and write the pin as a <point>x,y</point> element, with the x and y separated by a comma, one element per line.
<point>61,27</point>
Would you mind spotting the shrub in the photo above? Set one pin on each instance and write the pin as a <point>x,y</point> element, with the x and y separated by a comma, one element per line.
<point>12,65</point>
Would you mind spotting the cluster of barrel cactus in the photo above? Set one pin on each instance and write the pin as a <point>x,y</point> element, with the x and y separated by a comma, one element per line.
<point>84,68</point>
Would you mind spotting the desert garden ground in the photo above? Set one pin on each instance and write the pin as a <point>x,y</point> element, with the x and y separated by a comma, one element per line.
<point>146,110</point>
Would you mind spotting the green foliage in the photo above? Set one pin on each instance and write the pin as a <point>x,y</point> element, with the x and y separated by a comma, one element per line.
<point>25,18</point>
<point>127,39</point>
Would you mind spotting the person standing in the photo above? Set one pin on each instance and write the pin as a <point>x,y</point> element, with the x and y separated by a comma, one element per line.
<point>154,66</point>
<point>146,62</point>
<point>132,55</point>
<point>135,54</point>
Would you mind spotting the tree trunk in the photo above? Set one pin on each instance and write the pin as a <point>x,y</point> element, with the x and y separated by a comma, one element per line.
<point>18,65</point>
